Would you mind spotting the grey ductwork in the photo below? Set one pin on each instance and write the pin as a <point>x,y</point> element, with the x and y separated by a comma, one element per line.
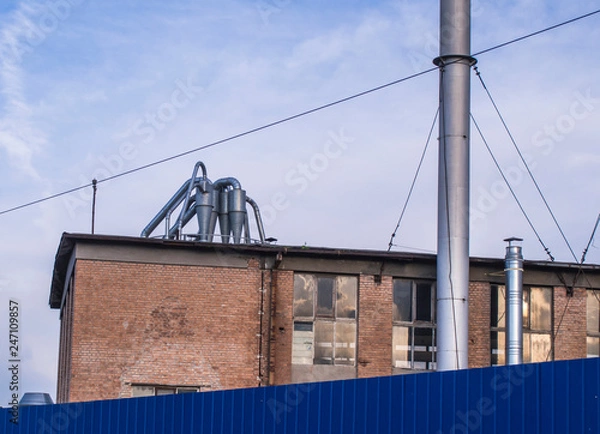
<point>205,199</point>
<point>224,200</point>
<point>224,216</point>
<point>237,212</point>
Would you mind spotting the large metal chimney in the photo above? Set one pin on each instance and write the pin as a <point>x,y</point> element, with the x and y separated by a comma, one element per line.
<point>513,270</point>
<point>453,185</point>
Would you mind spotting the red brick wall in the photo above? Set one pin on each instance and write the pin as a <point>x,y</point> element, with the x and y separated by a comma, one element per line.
<point>162,324</point>
<point>158,324</point>
<point>570,338</point>
<point>64,352</point>
<point>479,324</point>
<point>282,327</point>
<point>374,326</point>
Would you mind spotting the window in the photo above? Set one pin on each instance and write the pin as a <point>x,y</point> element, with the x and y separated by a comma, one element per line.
<point>537,324</point>
<point>324,320</point>
<point>593,324</point>
<point>158,390</point>
<point>413,334</point>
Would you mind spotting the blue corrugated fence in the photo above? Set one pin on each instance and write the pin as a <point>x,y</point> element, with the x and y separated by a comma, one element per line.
<point>554,397</point>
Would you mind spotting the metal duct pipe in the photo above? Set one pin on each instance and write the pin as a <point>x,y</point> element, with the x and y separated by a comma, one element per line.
<point>453,185</point>
<point>237,212</point>
<point>199,164</point>
<point>167,209</point>
<point>191,212</point>
<point>223,200</point>
<point>513,270</point>
<point>224,216</point>
<point>222,185</point>
<point>226,182</point>
<point>204,208</point>
<point>247,238</point>
<point>213,215</point>
<point>258,218</point>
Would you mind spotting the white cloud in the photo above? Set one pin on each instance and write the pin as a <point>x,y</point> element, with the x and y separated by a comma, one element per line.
<point>19,138</point>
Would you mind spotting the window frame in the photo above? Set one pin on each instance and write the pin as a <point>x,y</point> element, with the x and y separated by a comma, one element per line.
<point>320,319</point>
<point>592,334</point>
<point>414,324</point>
<point>156,388</point>
<point>498,354</point>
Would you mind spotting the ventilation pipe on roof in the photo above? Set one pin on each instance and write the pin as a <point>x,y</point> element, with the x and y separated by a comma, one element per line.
<point>205,194</point>
<point>191,185</point>
<point>223,210</point>
<point>223,201</point>
<point>513,269</point>
<point>237,212</point>
<point>258,218</point>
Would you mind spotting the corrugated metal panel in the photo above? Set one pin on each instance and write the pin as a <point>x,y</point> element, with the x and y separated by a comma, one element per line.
<point>555,397</point>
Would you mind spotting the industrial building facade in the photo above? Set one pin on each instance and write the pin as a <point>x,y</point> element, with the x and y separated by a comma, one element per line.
<point>144,316</point>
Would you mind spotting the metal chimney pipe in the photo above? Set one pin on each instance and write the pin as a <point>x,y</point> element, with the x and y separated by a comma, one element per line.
<point>513,270</point>
<point>453,185</point>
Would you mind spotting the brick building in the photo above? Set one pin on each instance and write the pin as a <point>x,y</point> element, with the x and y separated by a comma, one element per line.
<point>144,316</point>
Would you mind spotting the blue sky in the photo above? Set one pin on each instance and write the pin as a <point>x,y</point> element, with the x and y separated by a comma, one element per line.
<point>87,89</point>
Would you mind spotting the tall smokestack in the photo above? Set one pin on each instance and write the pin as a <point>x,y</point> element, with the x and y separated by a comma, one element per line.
<point>453,185</point>
<point>513,270</point>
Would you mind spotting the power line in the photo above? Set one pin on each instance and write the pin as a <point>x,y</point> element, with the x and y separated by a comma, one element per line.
<point>289,118</point>
<point>512,192</point>
<point>538,32</point>
<point>414,181</point>
<point>227,139</point>
<point>529,172</point>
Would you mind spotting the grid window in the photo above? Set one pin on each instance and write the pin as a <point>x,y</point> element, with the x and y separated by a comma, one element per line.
<point>413,333</point>
<point>593,324</point>
<point>324,320</point>
<point>147,390</point>
<point>537,324</point>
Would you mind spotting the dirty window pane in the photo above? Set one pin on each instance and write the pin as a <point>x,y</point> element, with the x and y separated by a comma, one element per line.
<point>142,391</point>
<point>346,297</point>
<point>423,302</point>
<point>304,288</point>
<point>593,306</point>
<point>187,389</point>
<point>526,348</point>
<point>323,343</point>
<point>498,306</point>
<point>525,309</point>
<point>401,347</point>
<point>540,347</point>
<point>302,344</point>
<point>165,391</point>
<point>402,300</point>
<point>540,302</point>
<point>497,341</point>
<point>345,343</point>
<point>325,296</point>
<point>423,347</point>
<point>593,346</point>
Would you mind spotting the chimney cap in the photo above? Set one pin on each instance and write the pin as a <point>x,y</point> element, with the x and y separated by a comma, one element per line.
<point>511,239</point>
